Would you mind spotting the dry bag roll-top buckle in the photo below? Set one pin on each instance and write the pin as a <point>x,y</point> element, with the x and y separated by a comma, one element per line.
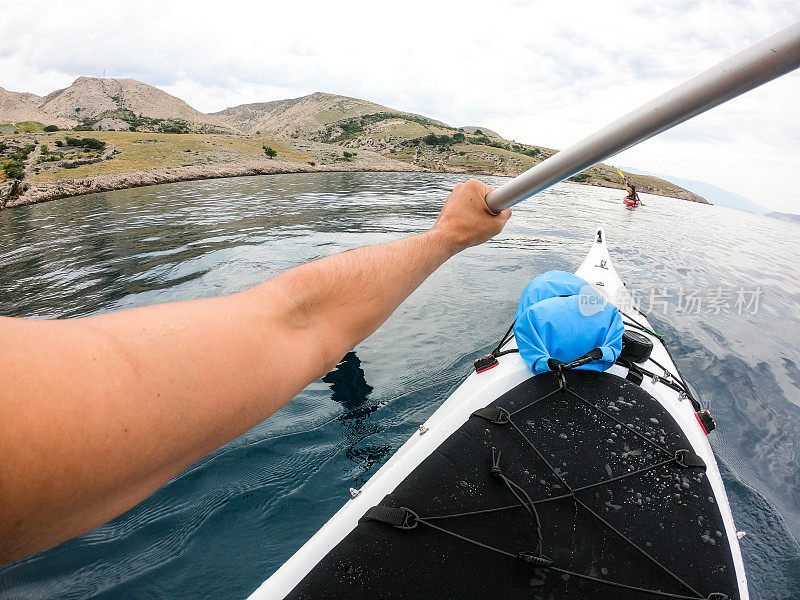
<point>484,364</point>
<point>706,421</point>
<point>558,367</point>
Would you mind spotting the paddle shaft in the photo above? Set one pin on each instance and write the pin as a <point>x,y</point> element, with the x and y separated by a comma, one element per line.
<point>763,62</point>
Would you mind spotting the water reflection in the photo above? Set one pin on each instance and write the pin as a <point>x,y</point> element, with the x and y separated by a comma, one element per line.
<point>348,384</point>
<point>349,388</point>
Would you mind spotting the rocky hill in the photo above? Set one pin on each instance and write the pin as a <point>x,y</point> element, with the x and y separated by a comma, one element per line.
<point>297,117</point>
<point>305,117</point>
<point>365,126</point>
<point>789,217</point>
<point>119,104</point>
<point>320,127</point>
<point>18,107</point>
<point>90,100</point>
<point>481,131</point>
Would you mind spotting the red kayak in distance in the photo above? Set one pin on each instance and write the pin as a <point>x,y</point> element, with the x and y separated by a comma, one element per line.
<point>630,203</point>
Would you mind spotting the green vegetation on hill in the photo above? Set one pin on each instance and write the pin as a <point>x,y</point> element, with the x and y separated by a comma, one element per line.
<point>136,122</point>
<point>14,168</point>
<point>349,128</point>
<point>21,127</point>
<point>92,143</point>
<point>29,126</point>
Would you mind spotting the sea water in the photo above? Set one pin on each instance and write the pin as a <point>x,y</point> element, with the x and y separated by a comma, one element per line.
<point>722,286</point>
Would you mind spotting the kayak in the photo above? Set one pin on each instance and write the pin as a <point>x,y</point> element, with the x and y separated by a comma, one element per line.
<point>571,484</point>
<point>629,203</point>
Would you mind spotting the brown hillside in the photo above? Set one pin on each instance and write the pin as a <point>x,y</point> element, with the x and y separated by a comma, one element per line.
<point>95,98</point>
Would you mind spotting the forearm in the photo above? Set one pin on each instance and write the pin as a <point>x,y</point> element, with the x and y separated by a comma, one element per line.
<point>342,299</point>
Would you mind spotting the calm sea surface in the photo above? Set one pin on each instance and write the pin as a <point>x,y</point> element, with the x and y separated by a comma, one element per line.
<point>220,528</point>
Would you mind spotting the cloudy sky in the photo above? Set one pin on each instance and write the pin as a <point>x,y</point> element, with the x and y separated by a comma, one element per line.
<point>546,73</point>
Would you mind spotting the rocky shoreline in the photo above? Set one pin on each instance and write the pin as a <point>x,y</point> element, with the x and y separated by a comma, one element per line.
<point>33,193</point>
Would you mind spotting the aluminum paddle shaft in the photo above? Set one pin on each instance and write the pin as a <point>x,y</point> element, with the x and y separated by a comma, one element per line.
<point>763,62</point>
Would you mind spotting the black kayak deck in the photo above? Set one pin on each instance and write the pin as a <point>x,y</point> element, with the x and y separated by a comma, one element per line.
<point>541,469</point>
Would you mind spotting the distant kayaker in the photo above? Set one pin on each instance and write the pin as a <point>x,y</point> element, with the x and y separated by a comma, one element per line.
<point>98,413</point>
<point>632,196</point>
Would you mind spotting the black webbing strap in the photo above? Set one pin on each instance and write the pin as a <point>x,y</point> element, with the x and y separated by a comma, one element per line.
<point>493,414</point>
<point>556,365</point>
<point>402,518</point>
<point>687,458</point>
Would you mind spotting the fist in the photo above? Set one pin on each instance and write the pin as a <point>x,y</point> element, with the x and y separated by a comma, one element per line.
<point>466,220</point>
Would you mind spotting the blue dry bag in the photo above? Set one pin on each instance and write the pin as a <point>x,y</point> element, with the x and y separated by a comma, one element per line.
<point>561,316</point>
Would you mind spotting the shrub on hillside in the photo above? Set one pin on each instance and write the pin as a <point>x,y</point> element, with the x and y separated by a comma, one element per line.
<point>21,154</point>
<point>50,128</point>
<point>351,127</point>
<point>92,143</point>
<point>14,169</point>
<point>437,140</point>
<point>349,155</point>
<point>173,127</point>
<point>583,176</point>
<point>270,152</point>
<point>82,128</point>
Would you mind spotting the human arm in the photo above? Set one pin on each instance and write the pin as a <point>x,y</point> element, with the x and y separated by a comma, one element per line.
<point>99,412</point>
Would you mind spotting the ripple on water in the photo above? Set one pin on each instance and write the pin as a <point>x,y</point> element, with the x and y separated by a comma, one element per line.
<point>218,529</point>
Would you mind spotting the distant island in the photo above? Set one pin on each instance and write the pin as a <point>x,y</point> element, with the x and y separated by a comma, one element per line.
<point>102,134</point>
<point>790,217</point>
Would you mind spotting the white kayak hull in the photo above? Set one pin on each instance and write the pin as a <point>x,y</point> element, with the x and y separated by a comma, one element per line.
<point>476,392</point>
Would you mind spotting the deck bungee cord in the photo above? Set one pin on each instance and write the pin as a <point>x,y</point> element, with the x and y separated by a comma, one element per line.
<point>405,518</point>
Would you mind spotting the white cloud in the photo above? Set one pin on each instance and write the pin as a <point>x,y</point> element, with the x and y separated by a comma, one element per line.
<point>545,73</point>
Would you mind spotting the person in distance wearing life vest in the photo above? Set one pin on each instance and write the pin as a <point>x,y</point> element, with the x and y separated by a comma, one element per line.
<point>632,198</point>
